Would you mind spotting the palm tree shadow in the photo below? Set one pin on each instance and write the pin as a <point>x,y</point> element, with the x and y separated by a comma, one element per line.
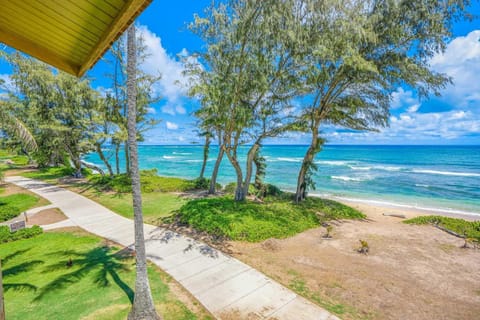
<point>18,269</point>
<point>99,261</point>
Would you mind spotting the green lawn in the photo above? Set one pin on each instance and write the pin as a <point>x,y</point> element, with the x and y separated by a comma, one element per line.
<point>156,205</point>
<point>39,284</point>
<point>14,204</point>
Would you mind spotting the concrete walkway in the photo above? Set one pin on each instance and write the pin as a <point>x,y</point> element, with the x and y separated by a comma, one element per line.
<point>227,287</point>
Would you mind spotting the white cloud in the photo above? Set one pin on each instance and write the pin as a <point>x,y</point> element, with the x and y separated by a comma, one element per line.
<point>402,98</point>
<point>151,110</point>
<point>172,126</point>
<point>461,61</point>
<point>180,109</point>
<point>168,109</point>
<point>172,85</point>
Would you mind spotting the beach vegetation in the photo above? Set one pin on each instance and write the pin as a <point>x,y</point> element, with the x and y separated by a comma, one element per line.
<point>467,229</point>
<point>364,247</point>
<point>98,284</point>
<point>275,217</point>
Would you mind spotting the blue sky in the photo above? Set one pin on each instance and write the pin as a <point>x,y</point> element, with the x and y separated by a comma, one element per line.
<point>453,118</point>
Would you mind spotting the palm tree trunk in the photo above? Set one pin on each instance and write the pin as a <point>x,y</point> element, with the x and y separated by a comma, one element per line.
<point>143,307</point>
<point>2,304</point>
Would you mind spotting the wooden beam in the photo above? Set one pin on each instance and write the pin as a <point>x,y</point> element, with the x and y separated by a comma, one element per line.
<point>27,46</point>
<point>124,18</point>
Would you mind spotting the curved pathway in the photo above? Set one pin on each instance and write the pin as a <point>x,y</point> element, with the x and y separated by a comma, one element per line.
<point>227,287</point>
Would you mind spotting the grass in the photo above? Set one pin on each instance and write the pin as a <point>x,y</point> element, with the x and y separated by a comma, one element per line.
<point>155,205</point>
<point>150,181</point>
<point>39,285</point>
<point>300,286</point>
<point>470,228</point>
<point>12,205</point>
<point>277,217</point>
<point>50,175</point>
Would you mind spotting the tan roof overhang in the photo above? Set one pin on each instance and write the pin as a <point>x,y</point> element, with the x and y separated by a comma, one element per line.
<point>68,34</point>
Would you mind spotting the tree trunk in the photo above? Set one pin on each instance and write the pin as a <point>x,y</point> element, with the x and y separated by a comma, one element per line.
<point>259,170</point>
<point>213,180</point>
<point>98,148</point>
<point>248,173</point>
<point>117,157</point>
<point>2,303</point>
<point>240,193</point>
<point>127,157</point>
<point>206,149</point>
<point>302,182</point>
<point>143,307</point>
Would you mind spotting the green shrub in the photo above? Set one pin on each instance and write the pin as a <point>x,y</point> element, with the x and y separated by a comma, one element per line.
<point>12,205</point>
<point>251,221</point>
<point>8,212</point>
<point>7,236</point>
<point>471,229</point>
<point>201,183</point>
<point>230,187</point>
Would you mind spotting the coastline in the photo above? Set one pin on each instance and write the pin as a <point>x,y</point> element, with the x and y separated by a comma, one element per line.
<point>377,209</point>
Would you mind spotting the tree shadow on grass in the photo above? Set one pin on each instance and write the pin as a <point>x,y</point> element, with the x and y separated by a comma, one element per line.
<point>18,269</point>
<point>100,261</point>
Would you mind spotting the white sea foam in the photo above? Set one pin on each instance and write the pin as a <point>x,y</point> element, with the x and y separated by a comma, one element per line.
<point>169,157</point>
<point>422,185</point>
<point>388,168</point>
<point>360,168</point>
<point>195,161</point>
<point>290,159</point>
<point>343,178</point>
<point>182,153</point>
<point>448,173</point>
<point>333,162</point>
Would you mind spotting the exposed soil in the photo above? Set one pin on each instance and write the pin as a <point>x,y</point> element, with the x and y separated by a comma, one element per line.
<point>47,216</point>
<point>411,272</point>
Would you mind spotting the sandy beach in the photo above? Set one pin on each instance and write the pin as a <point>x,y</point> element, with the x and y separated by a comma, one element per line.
<point>411,272</point>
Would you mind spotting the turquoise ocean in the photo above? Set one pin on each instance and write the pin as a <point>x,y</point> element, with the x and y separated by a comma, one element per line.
<point>445,178</point>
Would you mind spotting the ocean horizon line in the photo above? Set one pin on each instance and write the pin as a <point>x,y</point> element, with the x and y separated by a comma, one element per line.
<point>306,145</point>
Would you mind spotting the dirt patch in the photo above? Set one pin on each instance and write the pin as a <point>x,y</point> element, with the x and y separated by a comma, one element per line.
<point>410,272</point>
<point>47,216</point>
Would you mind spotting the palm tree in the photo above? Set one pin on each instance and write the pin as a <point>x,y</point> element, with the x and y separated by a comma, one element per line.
<point>143,307</point>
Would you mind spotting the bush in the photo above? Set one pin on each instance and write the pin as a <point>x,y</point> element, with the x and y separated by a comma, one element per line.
<point>7,236</point>
<point>8,212</point>
<point>471,229</point>
<point>252,221</point>
<point>12,205</point>
<point>230,187</point>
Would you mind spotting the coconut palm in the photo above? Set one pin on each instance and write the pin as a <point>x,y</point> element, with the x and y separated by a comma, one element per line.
<point>143,307</point>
